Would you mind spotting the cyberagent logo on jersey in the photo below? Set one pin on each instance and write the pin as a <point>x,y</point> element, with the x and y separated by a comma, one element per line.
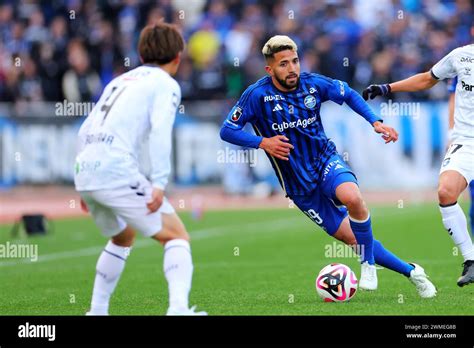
<point>295,124</point>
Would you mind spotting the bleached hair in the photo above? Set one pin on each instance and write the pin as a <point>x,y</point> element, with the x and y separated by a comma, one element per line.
<point>277,44</point>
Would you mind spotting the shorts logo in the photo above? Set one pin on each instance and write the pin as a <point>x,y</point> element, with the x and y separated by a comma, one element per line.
<point>334,165</point>
<point>236,114</point>
<point>310,102</point>
<point>446,162</point>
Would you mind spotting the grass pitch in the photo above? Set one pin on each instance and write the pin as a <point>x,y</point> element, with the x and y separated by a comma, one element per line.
<point>261,262</point>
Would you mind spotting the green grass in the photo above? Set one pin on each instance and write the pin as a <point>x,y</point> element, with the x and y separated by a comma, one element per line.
<point>280,253</point>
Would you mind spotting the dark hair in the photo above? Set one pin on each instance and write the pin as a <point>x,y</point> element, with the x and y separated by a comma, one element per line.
<point>160,43</point>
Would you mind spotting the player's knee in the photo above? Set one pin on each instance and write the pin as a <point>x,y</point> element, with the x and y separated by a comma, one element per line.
<point>446,194</point>
<point>125,238</point>
<point>168,234</point>
<point>355,203</point>
<point>182,235</point>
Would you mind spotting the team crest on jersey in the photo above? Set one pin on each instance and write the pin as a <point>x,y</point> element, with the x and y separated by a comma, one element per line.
<point>236,114</point>
<point>310,102</point>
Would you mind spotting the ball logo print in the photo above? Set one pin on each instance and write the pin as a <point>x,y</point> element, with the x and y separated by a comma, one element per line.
<point>310,102</point>
<point>336,283</point>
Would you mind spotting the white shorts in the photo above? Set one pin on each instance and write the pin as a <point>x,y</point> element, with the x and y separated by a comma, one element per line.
<point>113,210</point>
<point>460,158</point>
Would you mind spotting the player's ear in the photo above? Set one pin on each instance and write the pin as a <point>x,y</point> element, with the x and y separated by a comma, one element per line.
<point>177,59</point>
<point>269,70</point>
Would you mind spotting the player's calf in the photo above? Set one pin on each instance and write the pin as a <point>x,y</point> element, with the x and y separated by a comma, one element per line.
<point>109,268</point>
<point>451,184</point>
<point>348,194</point>
<point>177,264</point>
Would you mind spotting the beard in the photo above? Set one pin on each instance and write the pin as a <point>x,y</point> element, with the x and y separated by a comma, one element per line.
<point>286,84</point>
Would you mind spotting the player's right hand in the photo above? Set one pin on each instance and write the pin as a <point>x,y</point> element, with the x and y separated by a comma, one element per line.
<point>157,197</point>
<point>388,133</point>
<point>277,146</point>
<point>375,90</point>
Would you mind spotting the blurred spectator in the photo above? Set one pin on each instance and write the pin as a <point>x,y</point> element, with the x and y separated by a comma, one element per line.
<point>50,72</point>
<point>80,83</point>
<point>36,31</point>
<point>28,87</point>
<point>70,49</point>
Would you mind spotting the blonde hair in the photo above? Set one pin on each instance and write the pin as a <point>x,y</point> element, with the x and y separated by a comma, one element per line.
<point>277,44</point>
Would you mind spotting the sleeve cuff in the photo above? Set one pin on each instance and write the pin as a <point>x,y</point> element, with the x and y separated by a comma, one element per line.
<point>433,75</point>
<point>158,186</point>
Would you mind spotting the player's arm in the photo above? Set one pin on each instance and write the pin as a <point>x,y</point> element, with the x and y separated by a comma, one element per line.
<point>419,82</point>
<point>232,131</point>
<point>162,119</point>
<point>356,103</point>
<point>339,92</point>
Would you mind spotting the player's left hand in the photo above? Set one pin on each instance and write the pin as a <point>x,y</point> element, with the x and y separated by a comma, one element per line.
<point>388,133</point>
<point>375,90</point>
<point>157,197</point>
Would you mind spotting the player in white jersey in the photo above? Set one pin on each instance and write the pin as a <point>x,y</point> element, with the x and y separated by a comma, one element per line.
<point>128,131</point>
<point>457,169</point>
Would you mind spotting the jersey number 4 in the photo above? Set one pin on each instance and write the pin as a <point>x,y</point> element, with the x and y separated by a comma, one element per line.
<point>106,107</point>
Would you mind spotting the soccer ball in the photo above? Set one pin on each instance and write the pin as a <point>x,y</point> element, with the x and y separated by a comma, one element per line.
<point>336,283</point>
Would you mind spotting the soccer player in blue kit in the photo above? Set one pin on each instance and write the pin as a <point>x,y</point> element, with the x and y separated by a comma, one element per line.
<point>283,109</point>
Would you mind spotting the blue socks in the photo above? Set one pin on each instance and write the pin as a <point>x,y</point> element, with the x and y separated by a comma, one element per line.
<point>363,234</point>
<point>373,251</point>
<point>385,258</point>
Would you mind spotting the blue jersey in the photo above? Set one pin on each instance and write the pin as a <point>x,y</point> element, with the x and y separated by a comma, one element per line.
<point>296,115</point>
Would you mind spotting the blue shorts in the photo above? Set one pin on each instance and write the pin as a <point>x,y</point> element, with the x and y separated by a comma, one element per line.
<point>321,205</point>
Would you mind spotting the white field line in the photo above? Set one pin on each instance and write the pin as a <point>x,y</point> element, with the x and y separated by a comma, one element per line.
<point>142,243</point>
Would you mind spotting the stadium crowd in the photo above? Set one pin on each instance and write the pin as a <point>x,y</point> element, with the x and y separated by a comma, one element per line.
<point>55,50</point>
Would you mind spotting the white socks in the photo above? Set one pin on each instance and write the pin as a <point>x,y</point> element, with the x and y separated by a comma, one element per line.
<point>455,223</point>
<point>178,268</point>
<point>177,264</point>
<point>108,270</point>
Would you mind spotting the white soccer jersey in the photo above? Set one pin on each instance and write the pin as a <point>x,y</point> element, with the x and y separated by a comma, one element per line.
<point>130,125</point>
<point>460,62</point>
